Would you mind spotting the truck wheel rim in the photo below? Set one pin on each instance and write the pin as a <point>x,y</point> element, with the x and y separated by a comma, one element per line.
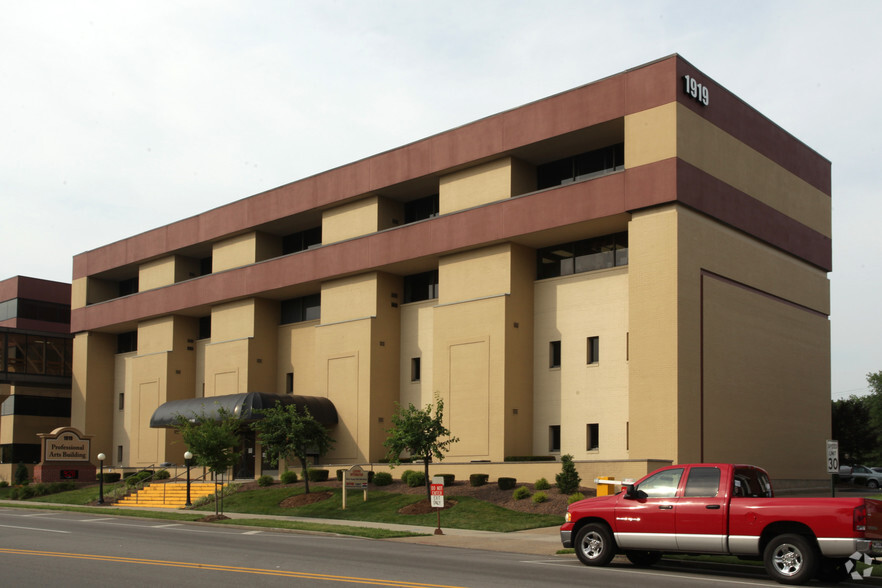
<point>592,545</point>
<point>787,559</point>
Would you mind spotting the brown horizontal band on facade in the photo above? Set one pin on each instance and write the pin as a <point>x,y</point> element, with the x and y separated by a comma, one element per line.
<point>709,195</point>
<point>736,117</point>
<point>495,136</point>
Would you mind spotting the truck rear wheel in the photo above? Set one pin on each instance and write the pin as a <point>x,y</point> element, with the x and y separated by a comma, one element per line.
<point>594,545</point>
<point>791,559</point>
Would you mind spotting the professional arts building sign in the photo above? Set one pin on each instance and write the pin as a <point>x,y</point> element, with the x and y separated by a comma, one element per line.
<point>65,444</point>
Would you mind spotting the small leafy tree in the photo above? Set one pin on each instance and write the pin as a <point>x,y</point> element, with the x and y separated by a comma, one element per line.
<point>214,441</point>
<point>283,430</point>
<point>568,479</point>
<point>420,433</point>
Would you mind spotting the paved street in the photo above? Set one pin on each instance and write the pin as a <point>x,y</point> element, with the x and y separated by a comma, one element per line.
<point>40,548</point>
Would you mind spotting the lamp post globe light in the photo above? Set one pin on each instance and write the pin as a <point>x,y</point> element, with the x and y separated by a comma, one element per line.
<point>101,458</point>
<point>187,457</point>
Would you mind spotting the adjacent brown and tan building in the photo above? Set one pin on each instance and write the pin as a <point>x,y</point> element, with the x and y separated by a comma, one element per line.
<point>633,272</point>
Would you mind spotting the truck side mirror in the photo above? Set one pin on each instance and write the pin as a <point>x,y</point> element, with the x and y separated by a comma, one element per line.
<point>634,493</point>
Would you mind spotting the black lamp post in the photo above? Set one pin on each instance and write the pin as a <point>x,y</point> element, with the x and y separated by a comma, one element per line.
<point>101,458</point>
<point>187,457</point>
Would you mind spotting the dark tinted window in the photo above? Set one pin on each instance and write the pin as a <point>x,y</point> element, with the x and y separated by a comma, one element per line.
<point>20,453</point>
<point>305,308</point>
<point>422,286</point>
<point>582,256</point>
<point>703,482</point>
<point>302,240</point>
<point>421,208</point>
<point>21,404</point>
<point>126,342</point>
<point>581,167</point>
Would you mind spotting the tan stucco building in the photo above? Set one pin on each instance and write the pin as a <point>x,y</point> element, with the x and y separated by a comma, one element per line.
<point>632,272</point>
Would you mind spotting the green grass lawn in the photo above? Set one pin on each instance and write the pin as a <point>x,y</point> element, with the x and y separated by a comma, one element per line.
<point>468,513</point>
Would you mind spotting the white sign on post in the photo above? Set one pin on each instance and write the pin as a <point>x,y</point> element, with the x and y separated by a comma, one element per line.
<point>437,491</point>
<point>832,457</point>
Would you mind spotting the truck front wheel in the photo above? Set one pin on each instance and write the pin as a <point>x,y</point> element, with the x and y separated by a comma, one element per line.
<point>791,559</point>
<point>594,545</point>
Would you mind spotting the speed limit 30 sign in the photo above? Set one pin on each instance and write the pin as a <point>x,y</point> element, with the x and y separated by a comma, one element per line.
<point>832,457</point>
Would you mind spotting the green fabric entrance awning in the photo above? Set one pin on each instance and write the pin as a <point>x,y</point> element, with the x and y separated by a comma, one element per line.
<point>244,407</point>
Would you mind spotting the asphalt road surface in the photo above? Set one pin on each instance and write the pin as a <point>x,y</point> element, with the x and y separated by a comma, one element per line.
<point>40,548</point>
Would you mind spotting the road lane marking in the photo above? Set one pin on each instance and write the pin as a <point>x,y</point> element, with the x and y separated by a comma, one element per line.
<point>96,520</point>
<point>165,526</point>
<point>223,568</point>
<point>252,532</point>
<point>35,529</point>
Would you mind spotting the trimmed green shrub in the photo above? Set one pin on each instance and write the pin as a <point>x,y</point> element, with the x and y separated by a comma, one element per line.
<point>575,497</point>
<point>26,492</point>
<point>4,484</point>
<point>318,475</point>
<point>288,477</point>
<point>382,478</point>
<point>542,484</point>
<point>21,474</point>
<point>507,483</point>
<point>539,497</point>
<point>521,493</point>
<point>568,479</point>
<point>340,475</point>
<point>265,481</point>
<point>162,475</point>
<point>478,479</point>
<point>448,479</point>
<point>406,474</point>
<point>416,479</point>
<point>135,479</point>
<point>109,478</point>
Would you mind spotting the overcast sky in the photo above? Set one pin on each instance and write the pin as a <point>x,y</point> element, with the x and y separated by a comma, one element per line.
<point>119,117</point>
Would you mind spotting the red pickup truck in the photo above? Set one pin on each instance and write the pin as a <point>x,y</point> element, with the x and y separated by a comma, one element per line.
<point>713,508</point>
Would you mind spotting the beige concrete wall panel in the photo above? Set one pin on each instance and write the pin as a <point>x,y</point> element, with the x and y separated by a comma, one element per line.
<point>349,298</point>
<point>716,198</point>
<point>148,439</point>
<point>389,214</point>
<point>459,324</point>
<point>468,409</point>
<point>78,293</point>
<point>234,252</point>
<point>100,290</point>
<point>728,159</point>
<point>343,390</point>
<point>766,367</point>
<point>263,350</point>
<point>476,185</point>
<point>156,273</point>
<point>92,389</point>
<point>742,121</point>
<point>233,320</point>
<point>156,335</point>
<point>653,402</point>
<point>122,419</point>
<point>570,309</point>
<point>651,135</point>
<point>296,354</point>
<point>518,329</point>
<point>350,220</point>
<point>475,274</point>
<point>385,366</point>
<point>727,252</point>
<point>417,341</point>
<point>24,429</point>
<point>226,367</point>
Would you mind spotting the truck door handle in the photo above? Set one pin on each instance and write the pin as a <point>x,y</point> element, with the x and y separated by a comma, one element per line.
<point>713,507</point>
<point>665,506</point>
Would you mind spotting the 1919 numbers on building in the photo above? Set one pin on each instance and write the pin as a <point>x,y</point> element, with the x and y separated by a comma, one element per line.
<point>696,89</point>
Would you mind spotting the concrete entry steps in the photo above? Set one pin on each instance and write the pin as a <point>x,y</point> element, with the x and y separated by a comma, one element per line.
<point>167,495</point>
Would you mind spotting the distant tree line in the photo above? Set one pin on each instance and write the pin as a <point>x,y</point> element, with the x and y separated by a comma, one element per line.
<point>857,425</point>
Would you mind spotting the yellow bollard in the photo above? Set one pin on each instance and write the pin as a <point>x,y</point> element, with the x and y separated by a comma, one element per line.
<point>605,489</point>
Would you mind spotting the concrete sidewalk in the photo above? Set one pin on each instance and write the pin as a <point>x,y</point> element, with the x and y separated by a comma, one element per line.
<point>542,541</point>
